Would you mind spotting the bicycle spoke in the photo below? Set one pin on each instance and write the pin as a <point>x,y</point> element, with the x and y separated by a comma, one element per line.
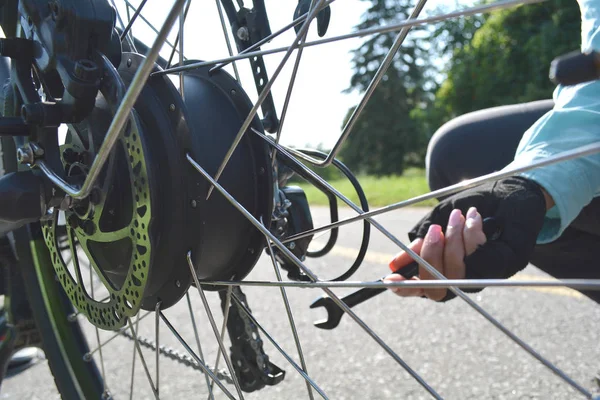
<point>264,94</point>
<point>434,272</point>
<point>132,19</point>
<point>283,353</point>
<point>139,350</point>
<point>290,316</point>
<point>97,333</point>
<point>197,337</point>
<point>137,328</point>
<point>227,39</point>
<point>121,116</point>
<point>73,316</point>
<point>275,247</point>
<point>214,325</point>
<point>555,159</point>
<point>128,19</point>
<point>88,355</point>
<point>79,277</point>
<point>181,44</point>
<point>200,362</point>
<point>311,275</point>
<point>499,5</point>
<point>93,265</point>
<point>223,327</point>
<point>387,61</point>
<point>74,258</point>
<point>150,25</point>
<point>579,284</point>
<point>272,36</point>
<point>288,95</point>
<point>156,334</point>
<point>128,37</point>
<point>176,43</point>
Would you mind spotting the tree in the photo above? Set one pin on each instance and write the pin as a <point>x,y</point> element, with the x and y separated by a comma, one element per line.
<point>394,128</point>
<point>508,59</point>
<point>446,39</point>
<point>385,132</point>
<point>449,69</point>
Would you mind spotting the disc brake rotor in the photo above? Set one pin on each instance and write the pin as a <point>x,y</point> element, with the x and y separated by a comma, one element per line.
<point>149,208</point>
<point>112,226</point>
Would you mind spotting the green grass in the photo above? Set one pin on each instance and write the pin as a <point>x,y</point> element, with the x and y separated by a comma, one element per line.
<point>380,191</point>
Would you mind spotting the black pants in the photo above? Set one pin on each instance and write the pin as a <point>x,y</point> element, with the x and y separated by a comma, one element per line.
<point>486,141</point>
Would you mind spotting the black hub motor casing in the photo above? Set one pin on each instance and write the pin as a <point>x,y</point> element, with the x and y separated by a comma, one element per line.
<point>223,243</point>
<point>229,245</point>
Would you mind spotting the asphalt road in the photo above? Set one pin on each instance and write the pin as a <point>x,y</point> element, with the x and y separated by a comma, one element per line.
<point>450,346</point>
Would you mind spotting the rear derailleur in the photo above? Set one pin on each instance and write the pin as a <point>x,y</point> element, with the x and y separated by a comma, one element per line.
<point>251,364</point>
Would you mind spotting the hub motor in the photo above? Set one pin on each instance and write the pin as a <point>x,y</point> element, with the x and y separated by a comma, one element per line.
<point>149,208</point>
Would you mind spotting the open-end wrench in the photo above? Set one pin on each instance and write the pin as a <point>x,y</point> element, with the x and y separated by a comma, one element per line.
<point>334,313</point>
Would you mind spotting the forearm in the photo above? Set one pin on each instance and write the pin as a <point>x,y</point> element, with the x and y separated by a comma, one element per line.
<point>570,185</point>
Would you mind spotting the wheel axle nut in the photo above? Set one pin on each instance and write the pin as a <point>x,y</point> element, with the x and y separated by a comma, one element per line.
<point>25,155</point>
<point>28,153</point>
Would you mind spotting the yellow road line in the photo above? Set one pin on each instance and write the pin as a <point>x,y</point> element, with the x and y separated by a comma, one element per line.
<point>375,257</point>
<point>554,290</point>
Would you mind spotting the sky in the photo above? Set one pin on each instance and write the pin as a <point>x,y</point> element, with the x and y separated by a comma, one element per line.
<point>318,106</point>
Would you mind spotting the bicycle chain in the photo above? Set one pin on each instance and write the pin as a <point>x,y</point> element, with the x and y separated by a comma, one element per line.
<point>184,359</point>
<point>252,377</point>
<point>251,364</point>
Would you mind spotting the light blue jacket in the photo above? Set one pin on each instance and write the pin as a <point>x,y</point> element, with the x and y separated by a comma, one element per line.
<point>574,122</point>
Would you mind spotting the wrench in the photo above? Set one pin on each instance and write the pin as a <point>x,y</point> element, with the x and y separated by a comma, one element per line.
<point>491,229</point>
<point>335,313</point>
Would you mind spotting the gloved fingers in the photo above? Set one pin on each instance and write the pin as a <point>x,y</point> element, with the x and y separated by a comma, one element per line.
<point>441,213</point>
<point>473,231</point>
<point>433,252</point>
<point>494,260</point>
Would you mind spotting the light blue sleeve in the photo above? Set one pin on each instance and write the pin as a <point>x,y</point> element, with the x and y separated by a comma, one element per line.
<point>574,122</point>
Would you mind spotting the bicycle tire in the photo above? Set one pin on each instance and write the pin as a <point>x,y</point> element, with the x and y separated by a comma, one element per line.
<point>63,362</point>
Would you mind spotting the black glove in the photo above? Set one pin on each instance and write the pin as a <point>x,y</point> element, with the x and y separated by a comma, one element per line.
<point>518,206</point>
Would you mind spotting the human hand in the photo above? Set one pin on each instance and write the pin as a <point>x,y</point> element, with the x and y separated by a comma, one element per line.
<point>445,252</point>
<point>516,204</point>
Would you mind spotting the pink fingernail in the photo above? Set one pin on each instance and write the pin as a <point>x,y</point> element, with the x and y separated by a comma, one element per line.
<point>471,213</point>
<point>472,220</point>
<point>434,234</point>
<point>454,219</point>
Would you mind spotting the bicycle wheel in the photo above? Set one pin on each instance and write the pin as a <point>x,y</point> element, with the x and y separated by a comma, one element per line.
<point>180,197</point>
